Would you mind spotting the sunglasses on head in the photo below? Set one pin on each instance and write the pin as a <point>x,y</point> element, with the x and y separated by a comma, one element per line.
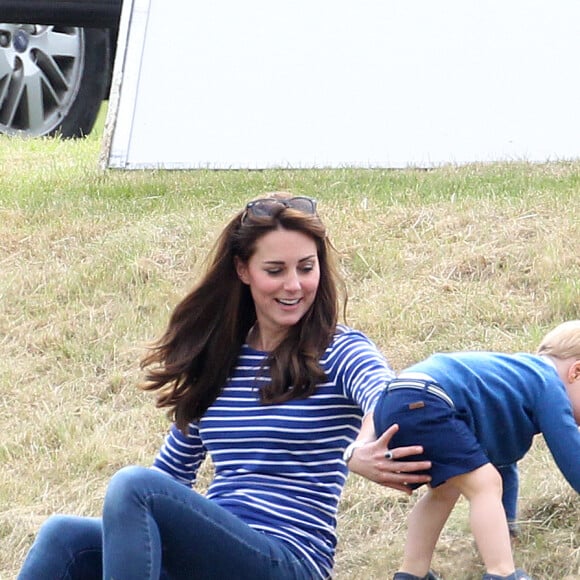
<point>269,206</point>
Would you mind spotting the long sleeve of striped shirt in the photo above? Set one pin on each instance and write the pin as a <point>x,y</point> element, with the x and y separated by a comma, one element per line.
<point>279,467</point>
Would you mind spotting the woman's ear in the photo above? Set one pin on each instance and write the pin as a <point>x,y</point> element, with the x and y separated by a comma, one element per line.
<point>241,270</point>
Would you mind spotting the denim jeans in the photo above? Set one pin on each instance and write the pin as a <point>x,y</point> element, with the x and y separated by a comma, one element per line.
<point>154,527</point>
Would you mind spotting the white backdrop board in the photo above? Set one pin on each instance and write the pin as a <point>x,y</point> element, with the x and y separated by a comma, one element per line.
<point>343,83</point>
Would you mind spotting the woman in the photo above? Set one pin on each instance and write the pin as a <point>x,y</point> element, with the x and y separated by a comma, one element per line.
<point>255,371</point>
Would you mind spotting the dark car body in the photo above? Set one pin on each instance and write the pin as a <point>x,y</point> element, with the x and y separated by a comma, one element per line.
<point>82,13</point>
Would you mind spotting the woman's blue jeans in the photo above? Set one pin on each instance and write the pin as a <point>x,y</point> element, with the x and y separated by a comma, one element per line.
<point>153,528</point>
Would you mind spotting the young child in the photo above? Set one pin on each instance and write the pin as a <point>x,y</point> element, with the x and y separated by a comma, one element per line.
<point>471,412</point>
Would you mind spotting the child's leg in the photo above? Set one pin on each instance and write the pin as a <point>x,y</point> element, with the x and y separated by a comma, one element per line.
<point>425,522</point>
<point>483,489</point>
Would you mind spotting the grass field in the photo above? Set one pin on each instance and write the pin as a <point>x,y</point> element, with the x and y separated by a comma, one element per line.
<point>91,263</point>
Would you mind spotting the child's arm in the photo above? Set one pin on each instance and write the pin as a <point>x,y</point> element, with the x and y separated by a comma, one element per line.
<point>510,480</point>
<point>557,424</point>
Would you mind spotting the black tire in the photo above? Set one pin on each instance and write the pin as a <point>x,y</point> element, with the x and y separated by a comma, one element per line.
<point>52,79</point>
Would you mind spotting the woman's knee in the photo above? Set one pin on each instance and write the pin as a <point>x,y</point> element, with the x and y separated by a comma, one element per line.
<point>54,528</point>
<point>69,531</point>
<point>126,480</point>
<point>128,486</point>
<point>64,546</point>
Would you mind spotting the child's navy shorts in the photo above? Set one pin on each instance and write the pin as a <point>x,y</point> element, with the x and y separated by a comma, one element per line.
<point>426,416</point>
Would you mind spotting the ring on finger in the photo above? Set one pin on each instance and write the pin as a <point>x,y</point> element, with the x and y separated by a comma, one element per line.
<point>389,454</point>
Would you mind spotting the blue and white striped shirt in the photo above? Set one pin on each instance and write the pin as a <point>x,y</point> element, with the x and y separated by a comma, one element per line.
<point>279,467</point>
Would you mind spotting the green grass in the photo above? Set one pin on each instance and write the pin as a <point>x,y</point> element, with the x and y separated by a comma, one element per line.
<point>92,261</point>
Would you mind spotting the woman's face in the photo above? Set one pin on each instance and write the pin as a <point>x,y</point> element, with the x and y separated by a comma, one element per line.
<point>283,276</point>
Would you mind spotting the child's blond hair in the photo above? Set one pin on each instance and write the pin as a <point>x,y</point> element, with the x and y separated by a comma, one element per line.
<point>563,341</point>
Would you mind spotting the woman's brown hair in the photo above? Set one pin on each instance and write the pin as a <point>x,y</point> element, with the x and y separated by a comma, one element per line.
<point>191,361</point>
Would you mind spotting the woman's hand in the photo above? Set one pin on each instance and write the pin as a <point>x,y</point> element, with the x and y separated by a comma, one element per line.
<point>372,461</point>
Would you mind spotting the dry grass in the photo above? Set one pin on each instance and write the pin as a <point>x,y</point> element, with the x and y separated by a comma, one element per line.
<point>91,264</point>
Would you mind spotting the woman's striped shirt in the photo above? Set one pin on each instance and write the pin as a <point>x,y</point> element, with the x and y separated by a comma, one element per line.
<point>279,467</point>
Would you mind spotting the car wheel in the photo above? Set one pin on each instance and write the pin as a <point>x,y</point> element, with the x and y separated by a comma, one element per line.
<point>52,79</point>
